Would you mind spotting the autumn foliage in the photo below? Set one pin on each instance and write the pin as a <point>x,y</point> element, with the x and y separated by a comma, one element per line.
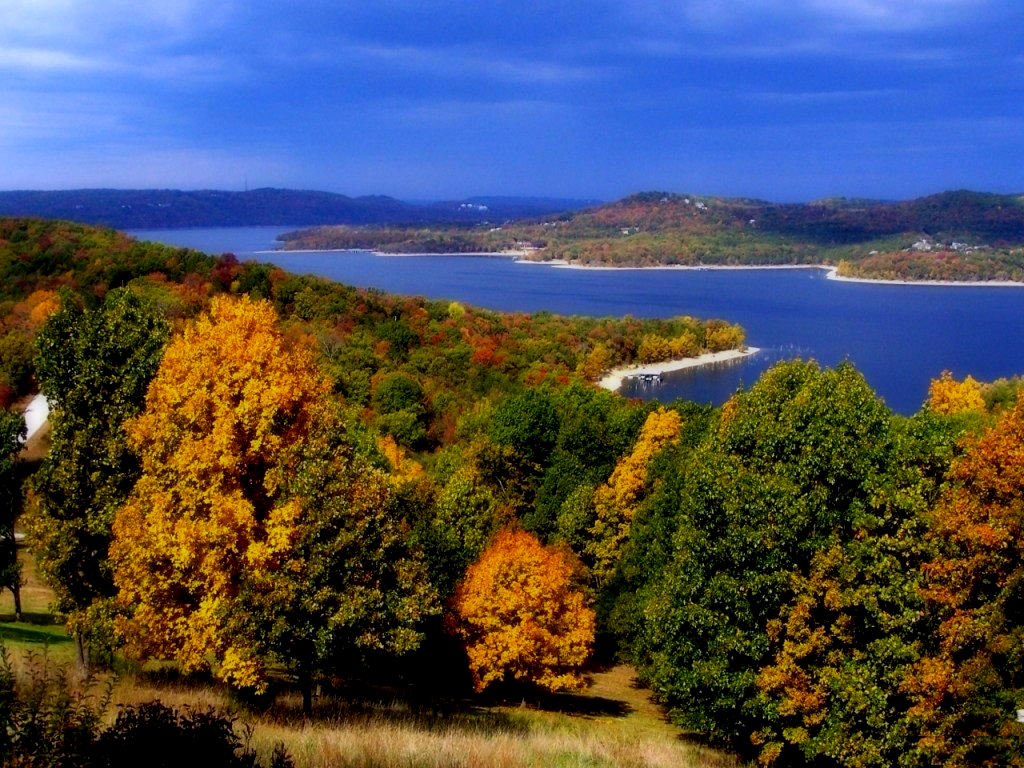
<point>948,396</point>
<point>224,417</point>
<point>615,502</point>
<point>520,618</point>
<point>968,689</point>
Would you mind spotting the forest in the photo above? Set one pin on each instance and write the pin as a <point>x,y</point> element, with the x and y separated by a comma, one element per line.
<point>951,236</point>
<point>275,485</point>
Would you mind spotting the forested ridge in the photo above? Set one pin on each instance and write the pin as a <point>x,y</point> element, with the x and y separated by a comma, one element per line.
<point>280,482</point>
<point>954,235</point>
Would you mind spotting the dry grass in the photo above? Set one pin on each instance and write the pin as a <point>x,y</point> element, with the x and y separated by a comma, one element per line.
<point>613,724</point>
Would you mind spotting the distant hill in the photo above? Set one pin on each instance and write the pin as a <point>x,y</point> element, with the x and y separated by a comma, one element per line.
<point>168,208</point>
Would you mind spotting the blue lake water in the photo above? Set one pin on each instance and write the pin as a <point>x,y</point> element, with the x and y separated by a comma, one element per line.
<point>899,337</point>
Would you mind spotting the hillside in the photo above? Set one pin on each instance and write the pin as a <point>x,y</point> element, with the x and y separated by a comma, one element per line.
<point>953,235</point>
<point>169,208</point>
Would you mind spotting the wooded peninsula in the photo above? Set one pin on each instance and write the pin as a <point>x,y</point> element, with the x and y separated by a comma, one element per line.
<point>954,236</point>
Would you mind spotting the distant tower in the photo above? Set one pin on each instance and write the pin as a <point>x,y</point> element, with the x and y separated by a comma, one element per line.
<point>247,182</point>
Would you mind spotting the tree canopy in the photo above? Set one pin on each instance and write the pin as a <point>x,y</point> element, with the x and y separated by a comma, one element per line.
<point>94,366</point>
<point>520,618</point>
<point>245,468</point>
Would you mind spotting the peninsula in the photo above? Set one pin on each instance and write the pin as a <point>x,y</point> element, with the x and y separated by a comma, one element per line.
<point>953,236</point>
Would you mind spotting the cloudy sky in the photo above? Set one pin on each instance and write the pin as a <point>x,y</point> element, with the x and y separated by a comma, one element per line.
<point>780,99</point>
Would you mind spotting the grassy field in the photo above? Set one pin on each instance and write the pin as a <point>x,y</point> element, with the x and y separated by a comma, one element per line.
<point>613,723</point>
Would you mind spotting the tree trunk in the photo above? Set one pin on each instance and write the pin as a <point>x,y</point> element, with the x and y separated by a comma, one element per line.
<point>81,655</point>
<point>16,590</point>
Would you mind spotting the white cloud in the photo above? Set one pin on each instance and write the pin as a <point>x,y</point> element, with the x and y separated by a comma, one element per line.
<point>52,36</point>
<point>849,15</point>
<point>47,60</point>
<point>467,63</point>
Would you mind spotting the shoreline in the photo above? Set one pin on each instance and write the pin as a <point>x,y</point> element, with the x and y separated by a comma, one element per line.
<point>514,255</point>
<point>615,378</point>
<point>831,272</point>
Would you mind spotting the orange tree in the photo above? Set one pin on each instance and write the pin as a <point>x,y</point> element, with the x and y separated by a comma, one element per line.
<point>968,687</point>
<point>519,616</point>
<point>253,531</point>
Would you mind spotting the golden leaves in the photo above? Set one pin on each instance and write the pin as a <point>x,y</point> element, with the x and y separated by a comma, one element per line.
<point>225,418</point>
<point>948,396</point>
<point>616,501</point>
<point>519,616</point>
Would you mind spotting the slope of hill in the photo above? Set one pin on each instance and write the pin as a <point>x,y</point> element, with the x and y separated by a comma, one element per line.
<point>167,208</point>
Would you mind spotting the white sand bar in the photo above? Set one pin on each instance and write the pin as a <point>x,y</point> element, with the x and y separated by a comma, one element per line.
<point>613,380</point>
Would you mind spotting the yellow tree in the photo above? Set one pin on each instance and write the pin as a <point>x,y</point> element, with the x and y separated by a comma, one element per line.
<point>616,501</point>
<point>948,396</point>
<point>242,483</point>
<point>520,618</point>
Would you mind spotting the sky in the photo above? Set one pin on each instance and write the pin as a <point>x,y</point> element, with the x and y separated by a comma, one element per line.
<point>785,100</point>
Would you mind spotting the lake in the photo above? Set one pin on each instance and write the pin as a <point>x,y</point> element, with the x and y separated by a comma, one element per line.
<point>899,337</point>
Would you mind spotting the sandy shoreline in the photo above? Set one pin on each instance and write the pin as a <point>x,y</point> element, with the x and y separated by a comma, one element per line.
<point>614,379</point>
<point>831,272</point>
<point>563,264</point>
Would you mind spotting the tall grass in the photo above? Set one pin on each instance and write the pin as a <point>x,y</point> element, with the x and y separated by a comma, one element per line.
<point>621,728</point>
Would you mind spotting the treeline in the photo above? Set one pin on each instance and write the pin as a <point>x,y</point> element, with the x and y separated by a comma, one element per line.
<point>445,356</point>
<point>938,265</point>
<point>398,240</point>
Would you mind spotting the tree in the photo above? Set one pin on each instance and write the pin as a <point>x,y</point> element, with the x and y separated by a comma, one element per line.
<point>947,396</point>
<point>526,422</point>
<point>615,502</point>
<point>253,531</point>
<point>792,462</point>
<point>348,589</point>
<point>520,618</point>
<point>94,367</point>
<point>857,622</point>
<point>969,685</point>
<point>12,431</point>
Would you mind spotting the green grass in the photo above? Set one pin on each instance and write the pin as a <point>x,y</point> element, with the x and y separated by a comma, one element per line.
<point>37,632</point>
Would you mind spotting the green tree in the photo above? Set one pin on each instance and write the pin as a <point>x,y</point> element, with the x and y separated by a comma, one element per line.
<point>791,463</point>
<point>857,623</point>
<point>350,589</point>
<point>94,367</point>
<point>12,431</point>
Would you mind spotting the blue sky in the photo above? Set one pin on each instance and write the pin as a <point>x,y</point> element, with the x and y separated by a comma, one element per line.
<point>780,99</point>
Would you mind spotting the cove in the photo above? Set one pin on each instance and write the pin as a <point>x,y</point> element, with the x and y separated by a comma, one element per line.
<point>900,337</point>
